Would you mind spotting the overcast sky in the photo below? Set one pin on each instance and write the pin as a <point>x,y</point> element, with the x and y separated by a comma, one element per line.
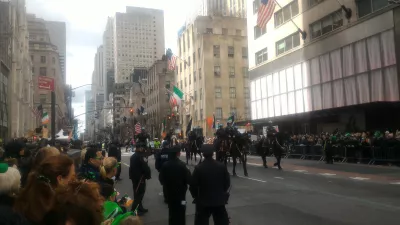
<point>86,20</point>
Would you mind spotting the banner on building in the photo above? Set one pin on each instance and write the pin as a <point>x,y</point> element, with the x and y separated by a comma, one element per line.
<point>45,83</point>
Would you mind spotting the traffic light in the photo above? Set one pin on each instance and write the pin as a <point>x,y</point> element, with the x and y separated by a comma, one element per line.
<point>169,117</point>
<point>131,112</point>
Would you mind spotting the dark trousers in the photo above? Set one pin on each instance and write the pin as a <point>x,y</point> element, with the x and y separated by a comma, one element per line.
<point>177,214</point>
<point>278,161</point>
<point>118,172</point>
<point>219,214</point>
<point>328,156</point>
<point>138,194</point>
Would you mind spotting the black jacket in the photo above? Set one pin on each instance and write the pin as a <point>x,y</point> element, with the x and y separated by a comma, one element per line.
<point>7,214</point>
<point>161,158</point>
<point>210,183</point>
<point>114,151</point>
<point>175,178</point>
<point>139,169</point>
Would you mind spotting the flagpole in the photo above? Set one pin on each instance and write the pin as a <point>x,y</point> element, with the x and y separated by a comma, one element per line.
<point>303,33</point>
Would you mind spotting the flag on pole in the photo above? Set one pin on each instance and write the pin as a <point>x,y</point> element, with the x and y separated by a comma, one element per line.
<point>171,59</point>
<point>178,95</point>
<point>38,111</point>
<point>172,101</point>
<point>265,12</point>
<point>138,128</point>
<point>189,126</point>
<point>45,118</point>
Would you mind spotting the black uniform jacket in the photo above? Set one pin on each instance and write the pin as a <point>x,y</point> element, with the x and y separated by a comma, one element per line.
<point>210,183</point>
<point>175,178</point>
<point>139,169</point>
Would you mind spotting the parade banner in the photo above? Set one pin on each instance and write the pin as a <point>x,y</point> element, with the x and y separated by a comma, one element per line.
<point>45,83</point>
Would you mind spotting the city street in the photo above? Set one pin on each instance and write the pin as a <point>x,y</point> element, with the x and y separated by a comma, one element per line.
<point>305,192</point>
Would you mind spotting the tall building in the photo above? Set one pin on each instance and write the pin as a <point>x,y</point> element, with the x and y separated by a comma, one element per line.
<point>16,89</point>
<point>157,102</point>
<point>89,116</point>
<point>98,76</point>
<point>232,8</point>
<point>44,56</point>
<point>138,40</point>
<point>213,75</point>
<point>343,75</point>
<point>108,57</point>
<point>58,36</point>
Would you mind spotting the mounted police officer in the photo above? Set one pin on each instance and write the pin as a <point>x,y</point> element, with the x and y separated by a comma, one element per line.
<point>273,145</point>
<point>141,139</point>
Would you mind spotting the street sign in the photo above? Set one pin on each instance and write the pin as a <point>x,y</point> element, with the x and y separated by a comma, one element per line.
<point>46,83</point>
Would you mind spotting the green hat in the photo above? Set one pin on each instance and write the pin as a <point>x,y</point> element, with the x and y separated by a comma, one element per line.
<point>3,167</point>
<point>333,138</point>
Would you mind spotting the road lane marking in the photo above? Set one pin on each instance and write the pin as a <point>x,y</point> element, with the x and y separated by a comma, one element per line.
<point>125,164</point>
<point>398,183</point>
<point>300,171</point>
<point>281,178</point>
<point>255,164</point>
<point>359,178</point>
<point>249,178</point>
<point>327,174</point>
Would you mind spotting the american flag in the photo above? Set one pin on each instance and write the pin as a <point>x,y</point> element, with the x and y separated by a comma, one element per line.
<point>265,12</point>
<point>172,62</point>
<point>172,101</point>
<point>38,111</point>
<point>138,128</point>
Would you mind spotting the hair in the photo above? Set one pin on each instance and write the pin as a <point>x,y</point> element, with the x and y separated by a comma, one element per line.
<point>90,153</point>
<point>109,163</point>
<point>37,198</point>
<point>131,220</point>
<point>42,154</point>
<point>77,203</point>
<point>10,181</point>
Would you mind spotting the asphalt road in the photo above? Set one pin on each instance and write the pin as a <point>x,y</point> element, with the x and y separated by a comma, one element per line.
<point>304,192</point>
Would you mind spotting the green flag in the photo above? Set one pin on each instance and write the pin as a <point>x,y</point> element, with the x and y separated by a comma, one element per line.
<point>178,95</point>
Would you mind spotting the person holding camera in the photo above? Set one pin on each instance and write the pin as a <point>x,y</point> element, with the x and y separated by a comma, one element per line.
<point>209,188</point>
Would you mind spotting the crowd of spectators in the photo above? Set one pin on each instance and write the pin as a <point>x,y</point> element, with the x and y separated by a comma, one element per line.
<point>39,185</point>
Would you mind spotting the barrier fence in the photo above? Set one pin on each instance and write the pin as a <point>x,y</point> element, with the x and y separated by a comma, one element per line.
<point>387,153</point>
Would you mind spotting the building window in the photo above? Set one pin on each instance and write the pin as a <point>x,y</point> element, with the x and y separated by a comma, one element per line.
<point>261,56</point>
<point>195,96</point>
<point>327,24</point>
<point>201,114</point>
<point>218,92</point>
<point>209,30</point>
<point>180,67</point>
<point>245,71</point>
<point>54,72</point>
<point>224,31</point>
<point>231,71</point>
<point>194,58</point>
<point>244,53</point>
<point>190,79</point>
<point>181,85</point>
<point>256,4</point>
<point>366,7</point>
<point>246,92</point>
<point>217,71</point>
<point>232,92</point>
<point>199,73</point>
<point>195,115</point>
<point>54,60</point>
<point>32,58</point>
<point>314,2</point>
<point>238,32</point>
<point>286,13</point>
<point>185,82</point>
<point>43,71</point>
<point>33,70</point>
<point>201,93</point>
<point>188,61</point>
<point>218,113</point>
<point>43,59</point>
<point>288,43</point>
<point>194,76</point>
<point>43,98</point>
<point>258,32</point>
<point>216,51</point>
<point>199,52</point>
<point>231,51</point>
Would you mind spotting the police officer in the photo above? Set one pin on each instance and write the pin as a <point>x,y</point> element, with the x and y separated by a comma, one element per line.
<point>175,177</point>
<point>139,172</point>
<point>142,137</point>
<point>209,187</point>
<point>161,158</point>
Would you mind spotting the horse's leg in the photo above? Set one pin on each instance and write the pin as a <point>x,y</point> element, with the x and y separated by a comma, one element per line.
<point>242,158</point>
<point>234,165</point>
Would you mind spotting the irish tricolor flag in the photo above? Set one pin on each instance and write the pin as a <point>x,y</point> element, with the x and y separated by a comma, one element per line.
<point>176,97</point>
<point>45,118</point>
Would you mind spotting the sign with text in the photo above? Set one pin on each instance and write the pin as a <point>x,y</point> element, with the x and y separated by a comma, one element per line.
<point>46,83</point>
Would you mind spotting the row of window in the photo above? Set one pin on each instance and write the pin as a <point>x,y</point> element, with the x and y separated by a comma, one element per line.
<point>231,52</point>
<point>43,71</point>
<point>218,113</point>
<point>43,59</point>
